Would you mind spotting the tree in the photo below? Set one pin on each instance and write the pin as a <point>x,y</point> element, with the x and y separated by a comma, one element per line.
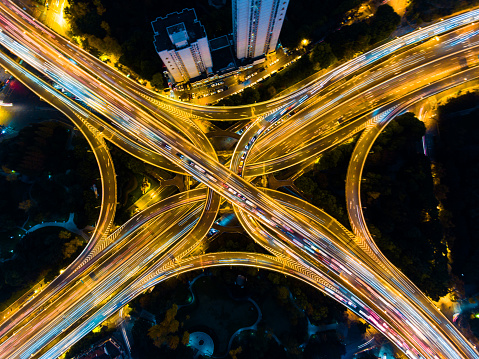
<point>271,91</point>
<point>250,95</point>
<point>322,55</point>
<point>283,295</point>
<point>325,346</point>
<point>172,341</point>
<point>384,22</point>
<point>25,205</point>
<point>161,333</point>
<point>234,352</point>
<point>71,247</point>
<point>306,184</point>
<point>157,81</point>
<point>100,9</point>
<point>64,235</point>
<point>186,338</point>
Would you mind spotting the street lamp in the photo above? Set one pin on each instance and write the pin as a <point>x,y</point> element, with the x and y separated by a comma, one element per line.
<point>304,42</point>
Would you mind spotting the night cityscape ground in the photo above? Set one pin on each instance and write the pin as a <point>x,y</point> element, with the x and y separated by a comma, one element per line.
<point>323,204</point>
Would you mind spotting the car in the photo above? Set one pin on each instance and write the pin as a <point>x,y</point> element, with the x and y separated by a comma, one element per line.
<point>200,169</point>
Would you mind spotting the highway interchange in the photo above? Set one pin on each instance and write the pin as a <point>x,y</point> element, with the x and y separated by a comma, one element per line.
<point>290,132</point>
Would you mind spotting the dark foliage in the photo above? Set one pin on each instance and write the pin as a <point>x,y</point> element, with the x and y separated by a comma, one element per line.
<point>360,36</point>
<point>38,255</point>
<point>401,206</point>
<point>144,347</point>
<point>312,19</point>
<point>324,346</point>
<point>429,10</point>
<point>259,345</point>
<point>399,195</point>
<point>31,151</point>
<point>459,155</point>
<point>60,176</point>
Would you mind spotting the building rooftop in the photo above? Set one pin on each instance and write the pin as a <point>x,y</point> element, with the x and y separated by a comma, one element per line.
<point>219,42</point>
<point>177,30</point>
<point>222,54</point>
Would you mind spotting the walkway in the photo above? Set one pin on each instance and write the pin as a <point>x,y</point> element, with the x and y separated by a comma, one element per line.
<point>68,225</point>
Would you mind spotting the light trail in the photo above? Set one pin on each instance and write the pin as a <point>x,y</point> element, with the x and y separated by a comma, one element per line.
<point>287,229</point>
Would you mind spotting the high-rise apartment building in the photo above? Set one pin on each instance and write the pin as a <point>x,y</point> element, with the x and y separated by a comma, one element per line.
<point>181,43</point>
<point>256,26</point>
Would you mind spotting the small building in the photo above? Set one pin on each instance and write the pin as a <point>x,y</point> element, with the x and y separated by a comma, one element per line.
<point>182,44</point>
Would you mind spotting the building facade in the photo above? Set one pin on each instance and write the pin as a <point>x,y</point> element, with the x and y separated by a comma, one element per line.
<point>182,44</point>
<point>256,26</point>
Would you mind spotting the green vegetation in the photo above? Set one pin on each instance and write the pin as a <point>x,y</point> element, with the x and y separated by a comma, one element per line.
<point>283,301</point>
<point>359,36</point>
<point>30,152</point>
<point>101,25</point>
<point>166,340</point>
<point>166,333</point>
<point>257,344</point>
<point>312,19</point>
<point>399,195</point>
<point>216,312</point>
<point>324,346</point>
<point>39,255</point>
<point>48,173</point>
<point>145,347</point>
<point>130,172</point>
<point>474,325</point>
<point>459,170</point>
<point>401,207</point>
<point>429,10</point>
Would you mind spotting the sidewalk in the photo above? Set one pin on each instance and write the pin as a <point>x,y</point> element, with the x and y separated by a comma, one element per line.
<point>68,225</point>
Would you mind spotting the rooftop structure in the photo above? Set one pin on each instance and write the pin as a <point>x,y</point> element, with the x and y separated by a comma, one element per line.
<point>182,44</point>
<point>222,53</point>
